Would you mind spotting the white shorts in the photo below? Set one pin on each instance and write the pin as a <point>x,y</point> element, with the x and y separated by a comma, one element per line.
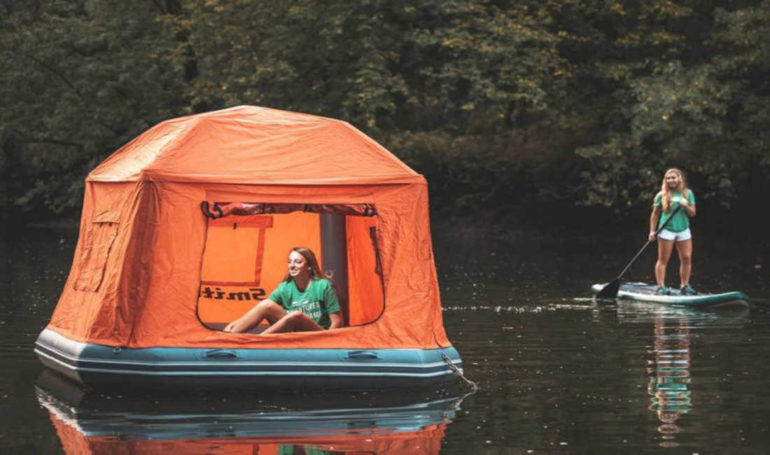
<point>665,234</point>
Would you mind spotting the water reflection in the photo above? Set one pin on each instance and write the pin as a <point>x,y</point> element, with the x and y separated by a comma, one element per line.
<point>669,375</point>
<point>274,424</point>
<point>669,361</point>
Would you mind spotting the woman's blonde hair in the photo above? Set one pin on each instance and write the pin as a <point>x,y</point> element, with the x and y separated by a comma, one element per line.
<point>667,196</point>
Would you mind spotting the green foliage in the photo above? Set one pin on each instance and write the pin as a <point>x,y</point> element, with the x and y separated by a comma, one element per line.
<point>698,104</point>
<point>503,105</point>
<point>79,79</point>
<point>382,65</point>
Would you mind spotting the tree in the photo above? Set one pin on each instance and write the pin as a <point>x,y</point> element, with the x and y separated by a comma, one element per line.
<point>685,87</point>
<point>80,79</point>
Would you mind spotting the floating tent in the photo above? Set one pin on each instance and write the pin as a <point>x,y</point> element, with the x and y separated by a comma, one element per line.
<point>153,280</point>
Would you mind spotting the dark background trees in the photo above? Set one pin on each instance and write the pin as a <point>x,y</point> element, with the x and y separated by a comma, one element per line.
<point>519,110</point>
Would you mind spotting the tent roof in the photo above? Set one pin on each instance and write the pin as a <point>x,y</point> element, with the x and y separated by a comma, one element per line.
<point>254,145</point>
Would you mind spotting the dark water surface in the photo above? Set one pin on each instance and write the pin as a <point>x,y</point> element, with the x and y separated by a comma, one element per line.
<point>557,373</point>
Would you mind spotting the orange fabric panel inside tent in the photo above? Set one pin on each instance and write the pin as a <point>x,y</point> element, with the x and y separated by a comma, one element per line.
<point>364,279</point>
<point>235,248</point>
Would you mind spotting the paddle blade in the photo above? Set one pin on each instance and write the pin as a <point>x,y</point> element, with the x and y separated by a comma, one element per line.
<point>609,292</point>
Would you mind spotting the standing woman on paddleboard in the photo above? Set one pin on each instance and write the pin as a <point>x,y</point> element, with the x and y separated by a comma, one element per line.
<point>673,193</point>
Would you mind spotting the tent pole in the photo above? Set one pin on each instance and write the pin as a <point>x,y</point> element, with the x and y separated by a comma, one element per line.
<point>334,258</point>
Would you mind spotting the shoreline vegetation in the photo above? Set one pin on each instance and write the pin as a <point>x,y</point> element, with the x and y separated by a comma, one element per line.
<point>550,115</point>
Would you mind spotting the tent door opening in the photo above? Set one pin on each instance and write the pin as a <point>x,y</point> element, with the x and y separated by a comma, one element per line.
<point>245,258</point>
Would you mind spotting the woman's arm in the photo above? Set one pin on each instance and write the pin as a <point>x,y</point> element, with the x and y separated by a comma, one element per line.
<point>654,222</point>
<point>337,320</point>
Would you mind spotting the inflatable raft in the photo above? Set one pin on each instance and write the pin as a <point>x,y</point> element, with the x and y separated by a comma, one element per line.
<point>155,278</point>
<point>643,292</point>
<point>105,366</point>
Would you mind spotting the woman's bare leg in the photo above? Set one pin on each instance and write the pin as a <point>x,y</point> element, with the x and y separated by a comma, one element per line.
<point>684,250</point>
<point>665,247</point>
<point>266,309</point>
<point>296,321</point>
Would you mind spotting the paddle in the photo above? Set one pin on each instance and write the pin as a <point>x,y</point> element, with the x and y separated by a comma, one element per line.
<point>610,291</point>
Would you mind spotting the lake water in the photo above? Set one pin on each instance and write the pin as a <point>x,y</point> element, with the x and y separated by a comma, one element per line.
<point>556,373</point>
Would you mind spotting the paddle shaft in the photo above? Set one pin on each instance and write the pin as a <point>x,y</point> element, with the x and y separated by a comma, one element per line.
<point>663,226</point>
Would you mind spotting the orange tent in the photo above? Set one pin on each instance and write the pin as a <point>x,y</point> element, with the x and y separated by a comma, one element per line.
<point>151,271</point>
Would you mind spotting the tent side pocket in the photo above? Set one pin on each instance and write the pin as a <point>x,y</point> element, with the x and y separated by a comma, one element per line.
<point>96,249</point>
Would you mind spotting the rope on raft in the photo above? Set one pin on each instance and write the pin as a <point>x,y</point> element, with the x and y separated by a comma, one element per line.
<point>453,367</point>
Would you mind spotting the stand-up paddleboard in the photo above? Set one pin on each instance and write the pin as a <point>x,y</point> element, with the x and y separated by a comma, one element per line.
<point>643,292</point>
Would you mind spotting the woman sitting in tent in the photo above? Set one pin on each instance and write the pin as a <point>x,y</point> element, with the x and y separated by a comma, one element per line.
<point>304,301</point>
